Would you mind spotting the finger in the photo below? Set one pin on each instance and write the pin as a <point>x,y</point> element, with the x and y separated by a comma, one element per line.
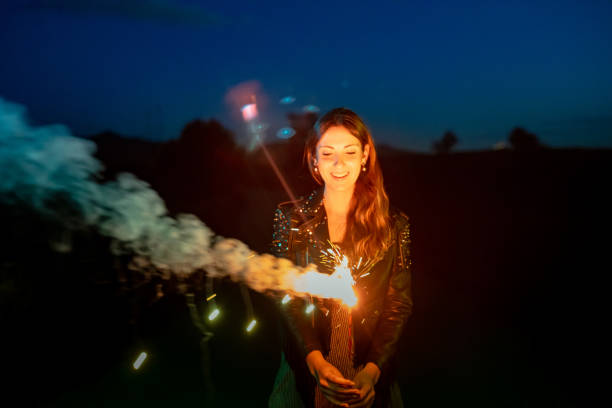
<point>341,381</point>
<point>336,392</point>
<point>342,389</point>
<point>337,381</point>
<point>365,401</point>
<point>336,401</point>
<point>340,396</point>
<point>363,392</point>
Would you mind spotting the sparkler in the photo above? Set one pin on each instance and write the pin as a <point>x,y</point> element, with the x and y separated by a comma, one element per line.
<point>338,285</point>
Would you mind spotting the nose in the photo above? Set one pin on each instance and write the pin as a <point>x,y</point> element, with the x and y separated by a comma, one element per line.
<point>338,160</point>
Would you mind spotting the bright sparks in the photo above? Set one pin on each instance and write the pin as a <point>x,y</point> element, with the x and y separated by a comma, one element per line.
<point>249,112</point>
<point>141,358</point>
<point>286,299</point>
<point>338,285</point>
<point>251,325</point>
<point>213,314</point>
<point>309,308</point>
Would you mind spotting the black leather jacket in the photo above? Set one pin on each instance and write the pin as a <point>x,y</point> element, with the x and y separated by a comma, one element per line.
<point>385,300</point>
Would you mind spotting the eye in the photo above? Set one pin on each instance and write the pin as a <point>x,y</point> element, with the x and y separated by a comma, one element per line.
<point>351,152</point>
<point>326,154</point>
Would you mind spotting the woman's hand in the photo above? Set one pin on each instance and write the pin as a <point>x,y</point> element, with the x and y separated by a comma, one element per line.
<point>365,380</point>
<point>333,385</point>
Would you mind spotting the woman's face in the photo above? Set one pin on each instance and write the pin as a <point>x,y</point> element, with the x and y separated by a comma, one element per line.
<point>339,158</point>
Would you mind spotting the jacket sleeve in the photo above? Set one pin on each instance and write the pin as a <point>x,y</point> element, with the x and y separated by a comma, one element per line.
<point>398,301</point>
<point>280,233</point>
<point>298,322</point>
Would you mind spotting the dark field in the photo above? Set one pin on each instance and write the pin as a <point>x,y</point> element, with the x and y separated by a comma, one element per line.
<point>509,276</point>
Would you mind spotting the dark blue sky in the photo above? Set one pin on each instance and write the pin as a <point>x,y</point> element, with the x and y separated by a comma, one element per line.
<point>412,69</point>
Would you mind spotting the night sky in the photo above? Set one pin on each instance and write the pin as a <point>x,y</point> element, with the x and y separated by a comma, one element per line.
<point>412,69</point>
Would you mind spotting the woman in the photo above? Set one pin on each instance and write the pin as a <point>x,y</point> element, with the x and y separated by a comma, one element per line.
<point>336,355</point>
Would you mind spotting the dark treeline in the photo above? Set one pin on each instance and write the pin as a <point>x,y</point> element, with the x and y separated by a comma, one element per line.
<point>506,277</point>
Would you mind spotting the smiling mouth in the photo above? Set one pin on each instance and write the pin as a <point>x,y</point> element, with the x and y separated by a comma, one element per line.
<point>340,177</point>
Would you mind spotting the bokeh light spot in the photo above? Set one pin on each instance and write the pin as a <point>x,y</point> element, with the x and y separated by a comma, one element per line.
<point>285,133</point>
<point>311,108</point>
<point>287,100</point>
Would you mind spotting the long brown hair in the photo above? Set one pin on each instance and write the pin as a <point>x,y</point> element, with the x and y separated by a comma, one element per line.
<point>368,230</point>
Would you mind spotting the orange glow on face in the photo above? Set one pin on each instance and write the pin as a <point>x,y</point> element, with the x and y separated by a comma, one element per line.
<point>340,158</point>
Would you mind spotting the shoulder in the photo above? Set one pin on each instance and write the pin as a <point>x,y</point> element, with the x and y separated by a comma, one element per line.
<point>399,219</point>
<point>286,207</point>
<point>400,224</point>
<point>285,211</point>
<point>300,209</point>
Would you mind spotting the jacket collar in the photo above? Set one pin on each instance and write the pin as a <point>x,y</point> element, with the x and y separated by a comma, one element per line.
<point>312,206</point>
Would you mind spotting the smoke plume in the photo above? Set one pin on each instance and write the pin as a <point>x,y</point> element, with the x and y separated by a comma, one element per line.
<point>41,166</point>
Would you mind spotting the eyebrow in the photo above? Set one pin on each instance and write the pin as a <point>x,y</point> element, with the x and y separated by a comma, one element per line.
<point>331,147</point>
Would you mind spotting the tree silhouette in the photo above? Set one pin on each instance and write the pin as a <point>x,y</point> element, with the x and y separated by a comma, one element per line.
<point>448,141</point>
<point>199,169</point>
<point>522,140</point>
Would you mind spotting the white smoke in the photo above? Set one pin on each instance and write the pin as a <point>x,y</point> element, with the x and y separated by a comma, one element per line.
<point>38,165</point>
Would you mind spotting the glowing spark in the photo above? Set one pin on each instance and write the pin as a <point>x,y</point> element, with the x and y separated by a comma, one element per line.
<point>286,299</point>
<point>359,263</point>
<point>251,325</point>
<point>338,285</point>
<point>309,308</point>
<point>213,314</point>
<point>208,299</point>
<point>365,274</point>
<point>141,358</point>
<point>249,112</point>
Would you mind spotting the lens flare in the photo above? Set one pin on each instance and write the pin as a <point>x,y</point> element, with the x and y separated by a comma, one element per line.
<point>249,112</point>
<point>311,108</point>
<point>287,100</point>
<point>285,133</point>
